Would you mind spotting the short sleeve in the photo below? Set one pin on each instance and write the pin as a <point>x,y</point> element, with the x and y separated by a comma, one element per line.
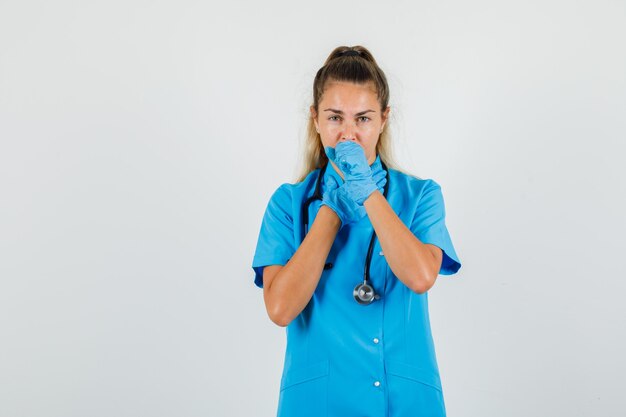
<point>429,226</point>
<point>275,245</point>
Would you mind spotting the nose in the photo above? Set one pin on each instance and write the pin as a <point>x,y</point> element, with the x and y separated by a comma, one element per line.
<point>348,133</point>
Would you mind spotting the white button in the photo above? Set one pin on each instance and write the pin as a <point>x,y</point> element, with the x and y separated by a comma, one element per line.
<point>380,253</point>
<point>375,340</point>
<point>377,383</point>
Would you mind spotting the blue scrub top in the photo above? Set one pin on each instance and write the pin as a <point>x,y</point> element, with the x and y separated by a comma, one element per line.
<point>346,359</point>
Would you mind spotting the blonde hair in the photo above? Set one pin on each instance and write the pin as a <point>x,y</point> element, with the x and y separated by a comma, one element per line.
<point>359,69</point>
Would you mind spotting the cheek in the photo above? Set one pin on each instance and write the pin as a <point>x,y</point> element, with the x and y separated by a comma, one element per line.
<point>330,127</point>
<point>374,130</point>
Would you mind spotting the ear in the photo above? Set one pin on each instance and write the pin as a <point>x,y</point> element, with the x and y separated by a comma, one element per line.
<point>385,116</point>
<point>313,114</point>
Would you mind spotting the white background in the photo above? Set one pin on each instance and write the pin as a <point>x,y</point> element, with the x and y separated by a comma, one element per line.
<point>141,141</point>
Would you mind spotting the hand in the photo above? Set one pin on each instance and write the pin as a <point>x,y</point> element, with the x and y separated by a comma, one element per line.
<point>337,198</point>
<point>350,158</point>
<point>379,175</point>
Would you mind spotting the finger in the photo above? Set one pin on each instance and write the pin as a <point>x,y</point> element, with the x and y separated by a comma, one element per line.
<point>343,162</point>
<point>381,184</point>
<point>380,178</point>
<point>349,149</point>
<point>351,157</point>
<point>348,144</point>
<point>378,175</point>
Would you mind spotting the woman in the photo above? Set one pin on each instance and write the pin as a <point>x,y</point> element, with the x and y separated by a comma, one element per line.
<point>346,256</point>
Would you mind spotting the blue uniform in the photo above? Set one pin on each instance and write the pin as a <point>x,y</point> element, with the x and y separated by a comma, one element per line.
<point>345,359</point>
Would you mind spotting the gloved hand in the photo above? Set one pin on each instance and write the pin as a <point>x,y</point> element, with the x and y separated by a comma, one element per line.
<point>379,175</point>
<point>337,198</point>
<point>350,158</point>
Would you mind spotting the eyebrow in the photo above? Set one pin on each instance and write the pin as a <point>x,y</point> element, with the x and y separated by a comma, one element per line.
<point>356,114</point>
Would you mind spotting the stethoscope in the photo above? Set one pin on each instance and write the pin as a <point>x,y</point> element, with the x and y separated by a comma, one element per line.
<point>364,292</point>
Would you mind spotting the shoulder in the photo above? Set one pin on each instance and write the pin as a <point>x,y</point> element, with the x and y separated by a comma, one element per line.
<point>412,185</point>
<point>288,193</point>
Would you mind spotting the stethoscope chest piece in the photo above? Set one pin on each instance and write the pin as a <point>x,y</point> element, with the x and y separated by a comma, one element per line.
<point>364,293</point>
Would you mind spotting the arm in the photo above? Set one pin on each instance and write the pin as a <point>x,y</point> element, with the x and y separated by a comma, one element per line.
<point>416,264</point>
<point>288,289</point>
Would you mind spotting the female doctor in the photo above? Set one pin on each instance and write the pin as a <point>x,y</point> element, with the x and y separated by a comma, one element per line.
<point>346,256</point>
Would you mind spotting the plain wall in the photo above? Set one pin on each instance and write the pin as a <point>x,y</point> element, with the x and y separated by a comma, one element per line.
<point>140,142</point>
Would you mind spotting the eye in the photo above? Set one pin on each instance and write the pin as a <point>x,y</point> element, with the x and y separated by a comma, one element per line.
<point>333,118</point>
<point>364,117</point>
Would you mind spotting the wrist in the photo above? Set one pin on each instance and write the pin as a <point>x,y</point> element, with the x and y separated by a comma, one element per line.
<point>329,215</point>
<point>361,190</point>
<point>373,196</point>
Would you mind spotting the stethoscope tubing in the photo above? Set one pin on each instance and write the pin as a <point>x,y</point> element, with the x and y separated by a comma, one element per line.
<point>363,293</point>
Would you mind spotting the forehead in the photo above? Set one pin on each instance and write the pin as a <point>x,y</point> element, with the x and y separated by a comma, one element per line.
<point>349,93</point>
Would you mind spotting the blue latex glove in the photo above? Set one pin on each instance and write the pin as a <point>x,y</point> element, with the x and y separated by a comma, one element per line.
<point>337,198</point>
<point>379,175</point>
<point>350,158</point>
